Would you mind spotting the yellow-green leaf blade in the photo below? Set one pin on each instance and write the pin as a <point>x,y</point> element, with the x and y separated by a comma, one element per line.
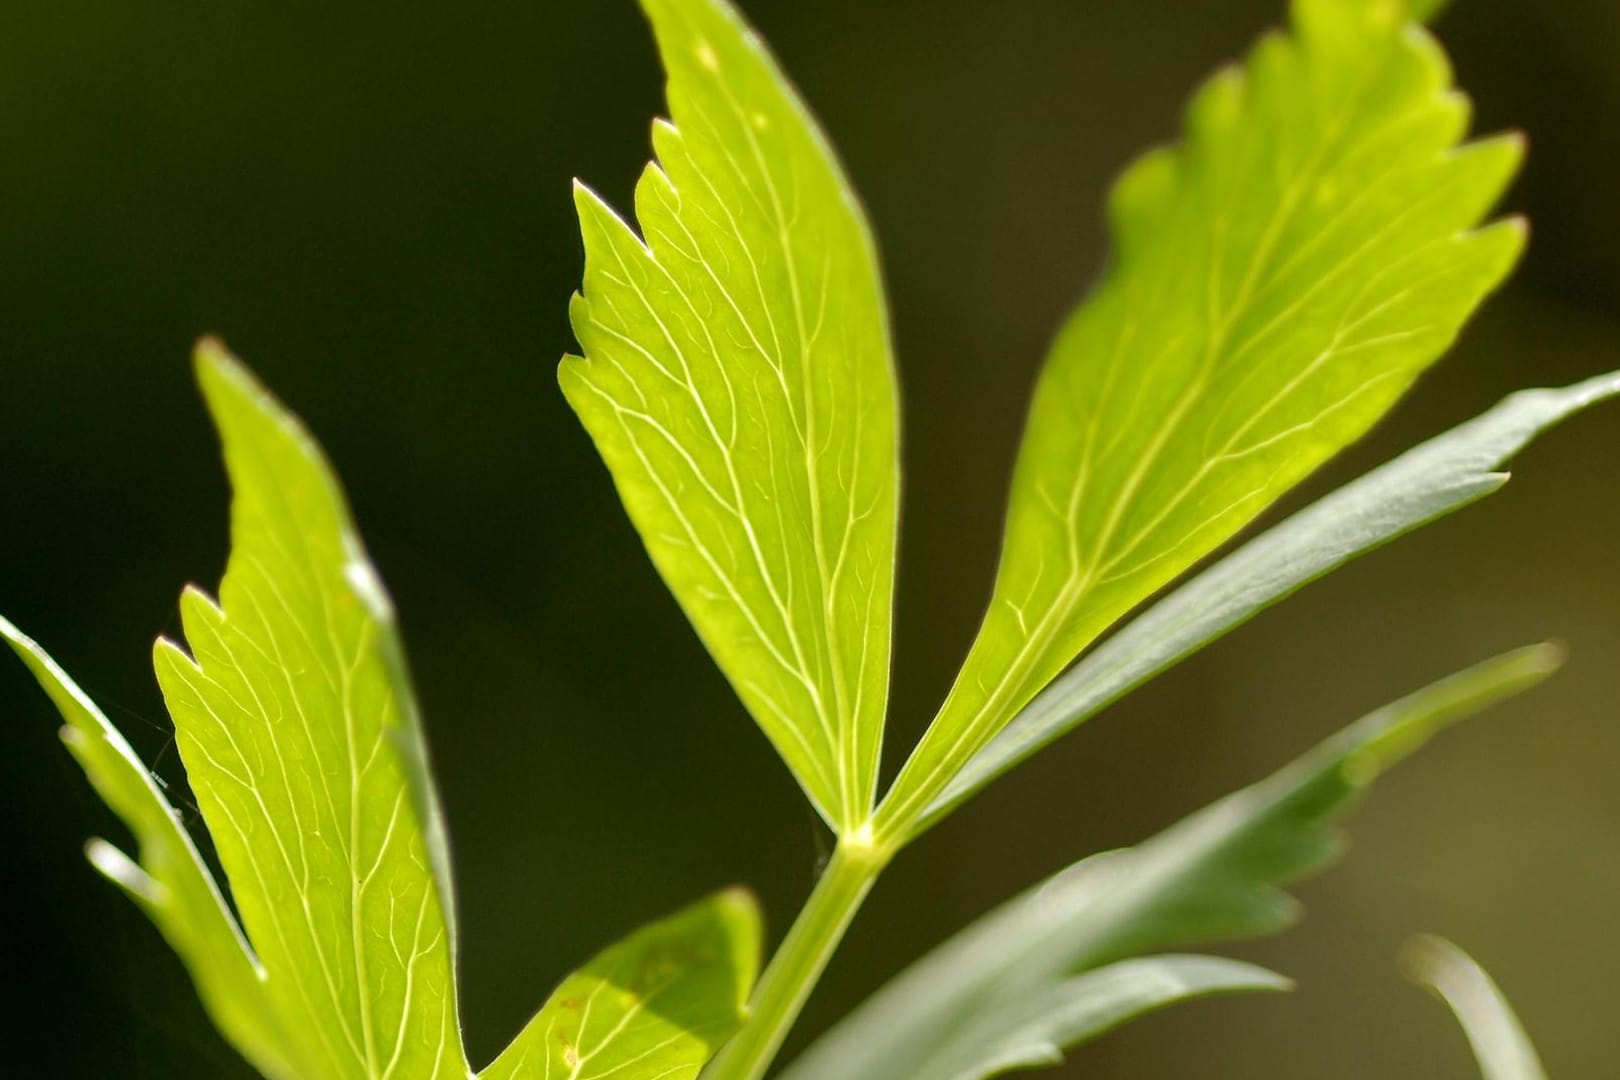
<point>654,1006</point>
<point>169,882</point>
<point>1278,281</point>
<point>300,738</point>
<point>737,379</point>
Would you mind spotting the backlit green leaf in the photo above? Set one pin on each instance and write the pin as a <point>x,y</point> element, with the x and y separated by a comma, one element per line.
<point>737,380</point>
<point>1499,1040</point>
<point>170,882</point>
<point>1212,876</point>
<point>1444,474</point>
<point>1427,10</point>
<point>1278,281</point>
<point>653,1007</point>
<point>300,737</point>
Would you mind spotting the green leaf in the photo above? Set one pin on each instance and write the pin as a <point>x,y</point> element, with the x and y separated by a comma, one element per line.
<point>1033,1030</point>
<point>1426,483</point>
<point>1500,1044</point>
<point>655,1006</point>
<point>170,882</point>
<point>1212,876</point>
<point>1278,281</point>
<point>300,737</point>
<point>737,380</point>
<point>1426,10</point>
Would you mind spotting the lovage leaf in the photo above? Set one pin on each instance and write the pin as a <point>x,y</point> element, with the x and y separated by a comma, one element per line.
<point>170,882</point>
<point>653,1007</point>
<point>1499,1041</point>
<point>1278,281</point>
<point>299,732</point>
<point>1428,482</point>
<point>737,380</point>
<point>1212,876</point>
<point>1032,1031</point>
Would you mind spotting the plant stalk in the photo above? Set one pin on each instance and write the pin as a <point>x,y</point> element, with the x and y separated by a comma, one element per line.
<point>797,965</point>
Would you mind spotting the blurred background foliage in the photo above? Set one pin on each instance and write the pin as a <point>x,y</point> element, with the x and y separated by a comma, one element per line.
<point>372,206</point>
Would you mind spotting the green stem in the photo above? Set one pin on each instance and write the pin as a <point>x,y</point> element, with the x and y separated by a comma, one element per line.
<point>799,962</point>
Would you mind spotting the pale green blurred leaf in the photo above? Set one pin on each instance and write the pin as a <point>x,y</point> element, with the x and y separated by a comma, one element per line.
<point>1279,280</point>
<point>1213,876</point>
<point>300,737</point>
<point>655,1006</point>
<point>170,882</point>
<point>738,382</point>
<point>1500,1044</point>
<point>1033,1030</point>
<point>1444,474</point>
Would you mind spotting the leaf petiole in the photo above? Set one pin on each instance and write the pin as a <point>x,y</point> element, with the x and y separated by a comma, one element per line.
<point>798,963</point>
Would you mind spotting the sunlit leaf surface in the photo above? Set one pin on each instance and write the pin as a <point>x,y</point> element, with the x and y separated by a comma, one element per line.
<point>737,380</point>
<point>1278,280</point>
<point>653,1007</point>
<point>300,738</point>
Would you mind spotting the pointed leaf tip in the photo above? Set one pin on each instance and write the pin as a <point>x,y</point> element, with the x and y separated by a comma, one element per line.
<point>1397,730</point>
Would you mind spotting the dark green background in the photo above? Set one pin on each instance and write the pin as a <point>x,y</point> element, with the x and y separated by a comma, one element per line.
<point>371,204</point>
